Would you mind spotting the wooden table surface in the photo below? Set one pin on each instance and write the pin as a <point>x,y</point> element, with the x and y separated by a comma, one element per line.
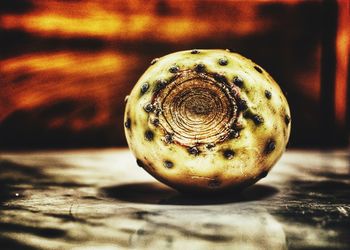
<point>100,199</point>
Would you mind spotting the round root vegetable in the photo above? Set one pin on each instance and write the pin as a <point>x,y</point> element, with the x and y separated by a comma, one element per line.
<point>206,120</point>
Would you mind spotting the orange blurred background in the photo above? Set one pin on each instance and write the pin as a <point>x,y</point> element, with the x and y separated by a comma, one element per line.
<point>66,66</point>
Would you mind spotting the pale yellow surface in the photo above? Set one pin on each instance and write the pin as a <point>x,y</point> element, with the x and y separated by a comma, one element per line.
<point>196,171</point>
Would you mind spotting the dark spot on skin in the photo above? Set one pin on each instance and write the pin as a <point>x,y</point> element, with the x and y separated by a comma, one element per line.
<point>242,104</point>
<point>149,135</point>
<point>214,183</point>
<point>210,145</point>
<point>174,69</point>
<point>268,94</point>
<point>140,163</point>
<point>223,61</point>
<point>148,107</point>
<point>248,114</point>
<point>160,84</point>
<point>169,138</point>
<point>257,119</point>
<point>237,126</point>
<point>155,122</point>
<point>263,174</point>
<point>154,61</point>
<point>127,123</point>
<point>199,68</point>
<point>158,111</point>
<point>238,81</point>
<point>194,51</point>
<point>233,134</point>
<point>258,69</point>
<point>168,164</point>
<point>193,151</point>
<point>287,119</point>
<point>228,154</point>
<point>220,78</point>
<point>144,87</point>
<point>270,146</point>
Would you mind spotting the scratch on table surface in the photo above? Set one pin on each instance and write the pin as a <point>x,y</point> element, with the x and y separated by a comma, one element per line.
<point>343,211</point>
<point>71,213</point>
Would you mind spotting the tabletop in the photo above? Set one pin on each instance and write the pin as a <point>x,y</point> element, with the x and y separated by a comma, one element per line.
<point>101,199</point>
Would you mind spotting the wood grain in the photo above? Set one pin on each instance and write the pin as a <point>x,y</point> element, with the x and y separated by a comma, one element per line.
<point>100,199</point>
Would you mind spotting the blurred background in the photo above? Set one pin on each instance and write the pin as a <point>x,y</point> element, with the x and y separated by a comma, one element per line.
<point>66,66</point>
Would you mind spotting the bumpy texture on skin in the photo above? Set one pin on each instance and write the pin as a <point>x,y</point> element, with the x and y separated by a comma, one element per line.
<point>207,120</point>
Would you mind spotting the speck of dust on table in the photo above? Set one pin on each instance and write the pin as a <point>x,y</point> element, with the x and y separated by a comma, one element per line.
<point>100,199</point>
